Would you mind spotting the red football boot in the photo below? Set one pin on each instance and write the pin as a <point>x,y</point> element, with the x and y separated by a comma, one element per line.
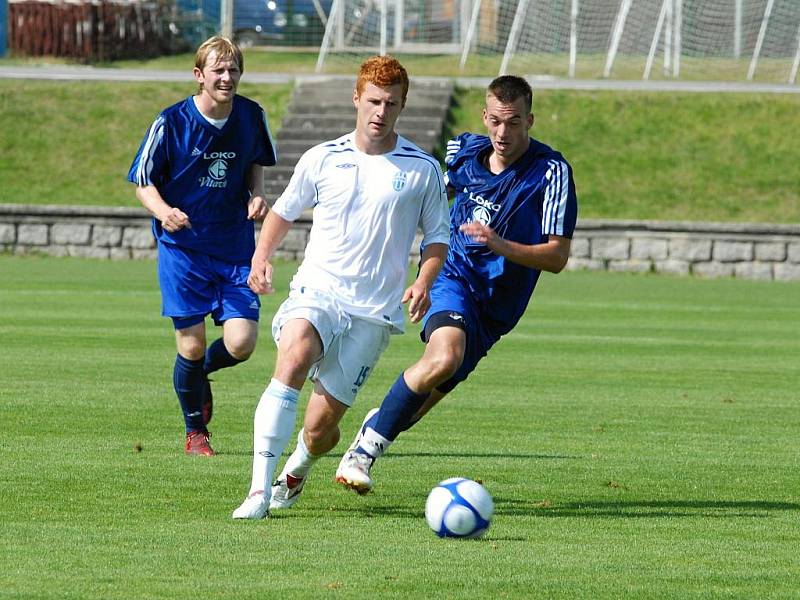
<point>197,443</point>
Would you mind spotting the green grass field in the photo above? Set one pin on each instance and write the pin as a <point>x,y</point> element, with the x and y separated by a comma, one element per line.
<point>659,156</point>
<point>638,434</point>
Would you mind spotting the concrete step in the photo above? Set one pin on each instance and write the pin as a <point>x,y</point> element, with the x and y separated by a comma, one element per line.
<point>345,108</point>
<point>294,147</point>
<point>311,122</point>
<point>273,190</point>
<point>414,91</point>
<point>322,110</point>
<point>279,173</point>
<point>332,91</point>
<point>425,141</point>
<point>348,83</point>
<point>311,137</point>
<point>425,137</point>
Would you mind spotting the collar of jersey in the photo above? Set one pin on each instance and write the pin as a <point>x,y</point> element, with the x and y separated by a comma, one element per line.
<point>204,122</point>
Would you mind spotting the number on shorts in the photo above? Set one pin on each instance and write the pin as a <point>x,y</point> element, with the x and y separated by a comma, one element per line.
<point>362,376</point>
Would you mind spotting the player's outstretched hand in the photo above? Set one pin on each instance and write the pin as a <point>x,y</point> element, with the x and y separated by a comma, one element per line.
<point>483,234</point>
<point>419,301</point>
<point>257,208</point>
<point>175,220</point>
<point>260,278</point>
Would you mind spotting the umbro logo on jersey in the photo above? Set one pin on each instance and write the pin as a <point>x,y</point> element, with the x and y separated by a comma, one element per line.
<point>196,152</point>
<point>346,166</point>
<point>267,454</point>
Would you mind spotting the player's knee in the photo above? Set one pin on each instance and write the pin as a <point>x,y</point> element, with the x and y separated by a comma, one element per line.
<point>192,349</point>
<point>293,363</point>
<point>320,437</point>
<point>240,345</point>
<point>242,350</point>
<point>442,365</point>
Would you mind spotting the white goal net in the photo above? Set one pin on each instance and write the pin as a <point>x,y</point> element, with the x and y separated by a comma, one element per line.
<point>622,39</point>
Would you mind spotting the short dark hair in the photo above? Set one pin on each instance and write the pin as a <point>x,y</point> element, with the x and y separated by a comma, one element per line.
<point>509,88</point>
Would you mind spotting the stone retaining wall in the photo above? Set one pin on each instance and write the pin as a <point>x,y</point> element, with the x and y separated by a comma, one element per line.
<point>766,252</point>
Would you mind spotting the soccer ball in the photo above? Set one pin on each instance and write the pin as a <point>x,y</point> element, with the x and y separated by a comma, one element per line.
<point>459,507</point>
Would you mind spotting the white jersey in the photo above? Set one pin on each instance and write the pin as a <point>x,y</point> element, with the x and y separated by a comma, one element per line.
<point>366,212</point>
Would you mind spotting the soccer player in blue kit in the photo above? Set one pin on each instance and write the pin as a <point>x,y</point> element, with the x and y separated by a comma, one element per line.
<point>513,217</point>
<point>199,172</point>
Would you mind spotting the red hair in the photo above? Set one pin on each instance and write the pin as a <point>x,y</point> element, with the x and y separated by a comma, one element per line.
<point>383,71</point>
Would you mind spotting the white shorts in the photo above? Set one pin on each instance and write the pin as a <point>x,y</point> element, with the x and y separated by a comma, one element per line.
<point>351,346</point>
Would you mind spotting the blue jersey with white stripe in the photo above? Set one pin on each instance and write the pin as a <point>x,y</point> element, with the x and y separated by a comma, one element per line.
<point>204,171</point>
<point>527,202</point>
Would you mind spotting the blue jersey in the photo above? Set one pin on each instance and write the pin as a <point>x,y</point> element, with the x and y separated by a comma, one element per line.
<point>204,171</point>
<point>527,202</point>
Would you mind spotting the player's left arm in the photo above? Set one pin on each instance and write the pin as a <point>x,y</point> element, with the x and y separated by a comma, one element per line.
<point>257,207</point>
<point>551,255</point>
<point>559,214</point>
<point>418,294</point>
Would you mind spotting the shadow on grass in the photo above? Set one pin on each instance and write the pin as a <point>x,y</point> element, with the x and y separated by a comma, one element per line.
<point>479,455</point>
<point>403,455</point>
<point>618,510</point>
<point>634,509</point>
<point>398,455</point>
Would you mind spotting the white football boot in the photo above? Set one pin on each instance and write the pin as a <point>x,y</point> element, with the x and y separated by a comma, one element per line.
<point>255,506</point>
<point>353,471</point>
<point>357,439</point>
<point>285,491</point>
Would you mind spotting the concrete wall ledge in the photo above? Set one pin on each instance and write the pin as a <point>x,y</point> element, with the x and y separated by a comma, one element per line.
<point>759,251</point>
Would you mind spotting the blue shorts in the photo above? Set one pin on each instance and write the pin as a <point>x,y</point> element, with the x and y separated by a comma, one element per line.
<point>194,285</point>
<point>451,296</point>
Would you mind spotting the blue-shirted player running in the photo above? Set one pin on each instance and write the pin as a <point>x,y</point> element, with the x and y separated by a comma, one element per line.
<point>199,171</point>
<point>513,216</point>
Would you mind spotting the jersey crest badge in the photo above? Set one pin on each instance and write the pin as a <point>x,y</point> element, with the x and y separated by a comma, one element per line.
<point>399,180</point>
<point>481,214</point>
<point>218,169</point>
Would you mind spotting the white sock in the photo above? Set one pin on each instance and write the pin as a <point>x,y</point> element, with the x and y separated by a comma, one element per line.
<point>373,443</point>
<point>301,460</point>
<point>272,429</point>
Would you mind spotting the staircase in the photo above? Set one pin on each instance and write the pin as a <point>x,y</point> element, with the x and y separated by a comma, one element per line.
<point>322,110</point>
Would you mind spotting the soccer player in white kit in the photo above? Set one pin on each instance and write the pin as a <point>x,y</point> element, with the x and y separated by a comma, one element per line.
<point>370,190</point>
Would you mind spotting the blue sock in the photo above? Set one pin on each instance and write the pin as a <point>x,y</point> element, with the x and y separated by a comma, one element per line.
<point>373,423</point>
<point>218,357</point>
<point>189,381</point>
<point>397,409</point>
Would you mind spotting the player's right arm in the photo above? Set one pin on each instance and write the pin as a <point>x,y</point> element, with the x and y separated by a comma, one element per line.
<point>272,233</point>
<point>298,195</point>
<point>172,219</point>
<point>151,168</point>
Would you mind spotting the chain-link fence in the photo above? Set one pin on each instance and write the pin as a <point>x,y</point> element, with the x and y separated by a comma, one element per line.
<point>622,39</point>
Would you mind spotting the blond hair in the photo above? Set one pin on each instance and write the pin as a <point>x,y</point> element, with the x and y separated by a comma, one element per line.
<point>224,48</point>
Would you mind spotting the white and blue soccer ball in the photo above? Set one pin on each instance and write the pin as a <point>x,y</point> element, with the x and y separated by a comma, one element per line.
<point>460,508</point>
